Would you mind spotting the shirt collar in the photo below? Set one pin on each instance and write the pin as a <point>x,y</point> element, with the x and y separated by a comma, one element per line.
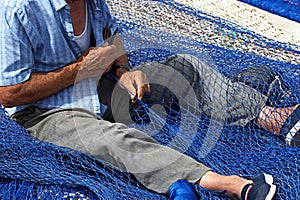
<point>97,4</point>
<point>59,4</point>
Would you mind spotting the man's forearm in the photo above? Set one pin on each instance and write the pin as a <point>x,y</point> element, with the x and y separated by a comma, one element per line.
<point>42,85</point>
<point>39,86</point>
<point>122,60</point>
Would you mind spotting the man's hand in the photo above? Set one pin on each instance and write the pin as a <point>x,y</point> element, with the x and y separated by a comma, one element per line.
<point>96,61</point>
<point>136,83</point>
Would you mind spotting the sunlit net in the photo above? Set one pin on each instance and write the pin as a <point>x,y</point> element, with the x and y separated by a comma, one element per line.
<point>153,31</point>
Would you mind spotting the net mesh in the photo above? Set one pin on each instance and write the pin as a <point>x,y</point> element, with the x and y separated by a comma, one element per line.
<point>287,8</point>
<point>153,31</point>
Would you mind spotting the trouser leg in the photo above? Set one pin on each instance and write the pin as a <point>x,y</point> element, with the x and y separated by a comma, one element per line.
<point>202,88</point>
<point>222,99</point>
<point>154,165</point>
<point>173,80</point>
<point>199,88</point>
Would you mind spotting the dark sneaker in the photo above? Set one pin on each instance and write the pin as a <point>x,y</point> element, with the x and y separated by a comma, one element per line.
<point>182,190</point>
<point>258,191</point>
<point>291,129</point>
<point>263,178</point>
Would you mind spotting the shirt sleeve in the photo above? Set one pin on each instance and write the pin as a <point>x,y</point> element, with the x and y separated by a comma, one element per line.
<point>110,20</point>
<point>16,54</point>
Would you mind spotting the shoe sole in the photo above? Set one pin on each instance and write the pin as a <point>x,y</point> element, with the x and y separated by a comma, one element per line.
<point>271,193</point>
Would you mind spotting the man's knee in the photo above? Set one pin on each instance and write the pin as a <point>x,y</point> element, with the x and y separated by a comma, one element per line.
<point>184,66</point>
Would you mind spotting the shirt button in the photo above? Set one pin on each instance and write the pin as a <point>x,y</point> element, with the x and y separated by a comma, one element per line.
<point>70,34</point>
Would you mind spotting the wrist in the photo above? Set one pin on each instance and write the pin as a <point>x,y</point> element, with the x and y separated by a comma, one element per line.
<point>74,71</point>
<point>120,70</point>
<point>128,68</point>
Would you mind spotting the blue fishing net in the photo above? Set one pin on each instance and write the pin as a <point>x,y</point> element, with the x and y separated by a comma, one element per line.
<point>287,8</point>
<point>153,31</point>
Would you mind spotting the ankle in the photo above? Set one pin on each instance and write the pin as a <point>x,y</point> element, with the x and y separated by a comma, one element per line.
<point>231,185</point>
<point>237,186</point>
<point>272,119</point>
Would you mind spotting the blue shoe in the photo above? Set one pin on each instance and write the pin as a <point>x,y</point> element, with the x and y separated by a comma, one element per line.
<point>182,190</point>
<point>258,191</point>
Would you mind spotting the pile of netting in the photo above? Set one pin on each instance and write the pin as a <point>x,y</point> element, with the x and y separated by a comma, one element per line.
<point>153,31</point>
<point>286,8</point>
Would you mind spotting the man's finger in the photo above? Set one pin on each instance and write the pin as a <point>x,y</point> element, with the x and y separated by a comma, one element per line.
<point>132,92</point>
<point>143,90</point>
<point>142,84</point>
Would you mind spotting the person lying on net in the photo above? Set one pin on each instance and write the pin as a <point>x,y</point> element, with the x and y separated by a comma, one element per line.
<point>53,53</point>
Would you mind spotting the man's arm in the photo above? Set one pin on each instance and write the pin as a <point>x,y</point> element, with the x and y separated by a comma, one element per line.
<point>42,85</point>
<point>38,87</point>
<point>122,59</point>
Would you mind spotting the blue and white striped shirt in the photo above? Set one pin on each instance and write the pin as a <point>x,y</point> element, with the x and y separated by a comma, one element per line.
<point>38,36</point>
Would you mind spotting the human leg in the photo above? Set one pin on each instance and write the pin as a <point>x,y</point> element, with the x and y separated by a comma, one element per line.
<point>154,165</point>
<point>282,121</point>
<point>232,185</point>
<point>198,87</point>
<point>259,187</point>
<point>273,117</point>
<point>207,90</point>
<point>237,102</point>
